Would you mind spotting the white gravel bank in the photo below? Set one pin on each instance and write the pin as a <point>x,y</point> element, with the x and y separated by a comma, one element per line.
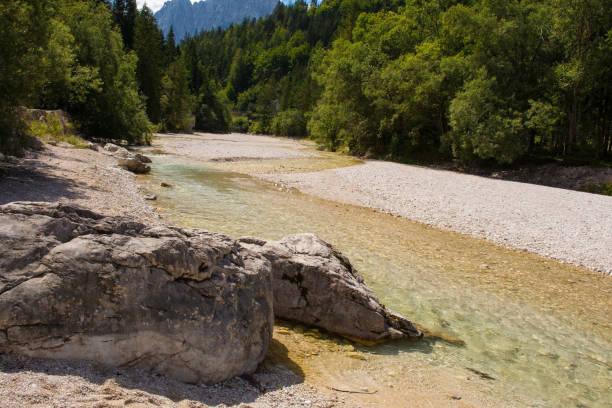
<point>230,147</point>
<point>566,225</point>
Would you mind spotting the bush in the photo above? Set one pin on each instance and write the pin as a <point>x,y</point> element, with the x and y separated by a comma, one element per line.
<point>212,113</point>
<point>289,123</point>
<point>483,129</point>
<point>605,189</point>
<point>240,124</point>
<point>257,128</point>
<point>53,130</point>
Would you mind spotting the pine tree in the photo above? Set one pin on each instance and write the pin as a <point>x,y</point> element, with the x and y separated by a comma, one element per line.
<point>171,50</point>
<point>124,15</point>
<point>148,45</point>
<point>176,100</point>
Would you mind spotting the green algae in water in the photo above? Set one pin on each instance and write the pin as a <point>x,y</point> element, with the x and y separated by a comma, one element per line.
<point>540,328</point>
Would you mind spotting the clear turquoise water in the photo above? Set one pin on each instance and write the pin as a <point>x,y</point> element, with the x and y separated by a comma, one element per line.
<point>541,349</point>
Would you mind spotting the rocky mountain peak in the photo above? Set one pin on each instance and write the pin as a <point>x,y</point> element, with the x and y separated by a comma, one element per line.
<point>189,18</point>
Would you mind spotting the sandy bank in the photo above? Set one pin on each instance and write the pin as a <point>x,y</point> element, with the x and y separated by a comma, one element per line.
<point>566,225</point>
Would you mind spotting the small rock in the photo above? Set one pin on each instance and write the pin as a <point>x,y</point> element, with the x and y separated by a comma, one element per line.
<point>143,158</point>
<point>166,185</point>
<point>1,157</point>
<point>117,151</point>
<point>134,165</point>
<point>92,146</point>
<point>150,197</point>
<point>109,147</point>
<point>356,356</point>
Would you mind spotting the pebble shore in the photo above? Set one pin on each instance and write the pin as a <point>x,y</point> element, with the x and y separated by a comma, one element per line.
<point>92,179</point>
<point>569,226</point>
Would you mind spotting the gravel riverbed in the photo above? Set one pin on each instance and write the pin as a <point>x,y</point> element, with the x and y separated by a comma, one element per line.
<point>566,225</point>
<point>93,180</point>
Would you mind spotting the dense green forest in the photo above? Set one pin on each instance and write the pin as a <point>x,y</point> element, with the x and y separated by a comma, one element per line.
<point>481,81</point>
<point>107,65</point>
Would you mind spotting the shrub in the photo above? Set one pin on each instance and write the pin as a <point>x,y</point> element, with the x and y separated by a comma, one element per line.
<point>257,127</point>
<point>605,189</point>
<point>240,124</point>
<point>289,123</point>
<point>53,130</point>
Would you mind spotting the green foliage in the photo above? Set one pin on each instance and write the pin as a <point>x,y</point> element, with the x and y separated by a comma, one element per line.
<point>113,108</point>
<point>176,101</point>
<point>479,81</point>
<point>257,128</point>
<point>53,131</point>
<point>240,124</point>
<point>605,189</point>
<point>483,128</point>
<point>124,15</point>
<point>68,55</point>
<point>289,123</point>
<point>212,110</point>
<point>149,47</point>
<point>24,31</point>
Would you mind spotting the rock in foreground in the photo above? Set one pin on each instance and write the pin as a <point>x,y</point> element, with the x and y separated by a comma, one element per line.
<point>185,303</point>
<point>316,285</point>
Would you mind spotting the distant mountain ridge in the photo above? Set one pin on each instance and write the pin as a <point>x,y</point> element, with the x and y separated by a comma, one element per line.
<point>191,18</point>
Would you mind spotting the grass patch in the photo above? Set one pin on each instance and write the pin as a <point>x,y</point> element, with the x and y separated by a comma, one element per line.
<point>604,189</point>
<point>53,130</point>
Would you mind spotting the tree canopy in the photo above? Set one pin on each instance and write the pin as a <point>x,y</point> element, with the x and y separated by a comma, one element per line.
<point>481,81</point>
<point>108,66</point>
<point>477,81</point>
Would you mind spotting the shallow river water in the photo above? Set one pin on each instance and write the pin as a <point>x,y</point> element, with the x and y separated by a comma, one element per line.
<point>523,330</point>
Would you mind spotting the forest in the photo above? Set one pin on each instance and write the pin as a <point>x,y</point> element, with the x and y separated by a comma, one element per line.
<point>107,65</point>
<point>478,81</point>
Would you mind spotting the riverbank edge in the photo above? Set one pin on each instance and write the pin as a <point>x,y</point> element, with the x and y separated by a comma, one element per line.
<point>355,195</point>
<point>91,179</point>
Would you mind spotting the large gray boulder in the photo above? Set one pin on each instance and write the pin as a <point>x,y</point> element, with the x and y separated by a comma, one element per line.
<point>185,303</point>
<point>316,285</point>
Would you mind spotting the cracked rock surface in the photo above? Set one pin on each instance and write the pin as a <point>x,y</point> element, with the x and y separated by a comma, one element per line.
<point>189,304</point>
<point>316,284</point>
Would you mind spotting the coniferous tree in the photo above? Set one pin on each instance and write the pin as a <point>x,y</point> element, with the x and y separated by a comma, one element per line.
<point>124,15</point>
<point>171,50</point>
<point>176,100</point>
<point>149,47</point>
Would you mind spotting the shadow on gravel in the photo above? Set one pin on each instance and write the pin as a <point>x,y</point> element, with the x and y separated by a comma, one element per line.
<point>96,384</point>
<point>26,181</point>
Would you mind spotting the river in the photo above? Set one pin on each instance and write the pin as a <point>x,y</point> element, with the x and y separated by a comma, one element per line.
<point>531,331</point>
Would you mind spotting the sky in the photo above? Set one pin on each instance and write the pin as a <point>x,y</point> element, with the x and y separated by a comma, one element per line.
<point>157,4</point>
